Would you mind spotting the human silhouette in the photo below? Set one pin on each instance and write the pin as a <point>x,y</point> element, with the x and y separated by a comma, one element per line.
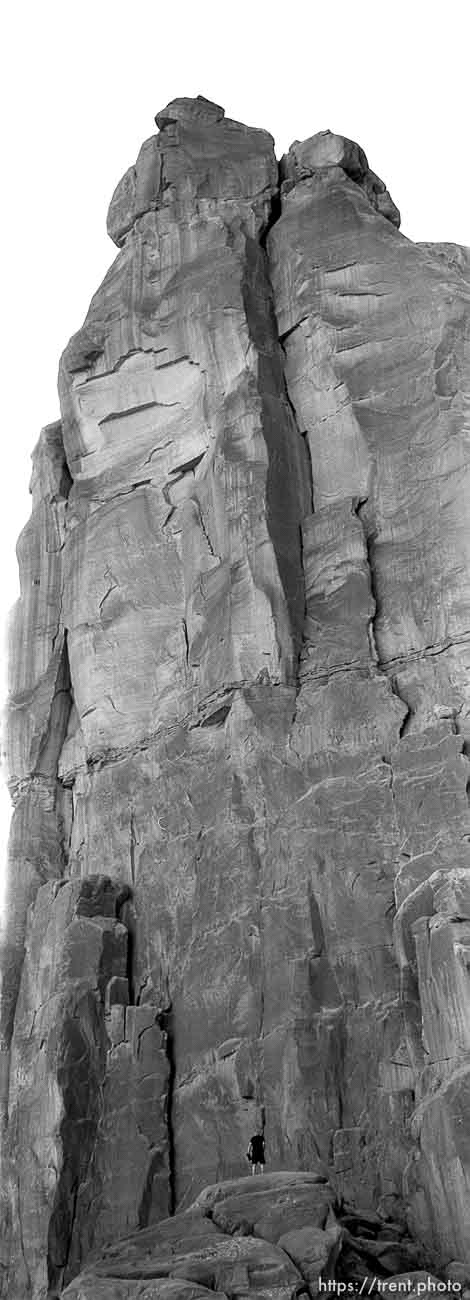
<point>255,1153</point>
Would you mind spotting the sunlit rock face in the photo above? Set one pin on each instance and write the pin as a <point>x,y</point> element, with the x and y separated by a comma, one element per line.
<point>240,668</point>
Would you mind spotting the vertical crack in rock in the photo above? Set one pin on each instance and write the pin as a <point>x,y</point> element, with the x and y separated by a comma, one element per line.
<point>274,217</point>
<point>205,532</point>
<point>275,211</point>
<point>186,641</point>
<point>22,1239</point>
<point>311,511</point>
<point>257,833</point>
<point>304,493</point>
<point>408,715</point>
<point>125,912</point>
<point>73,1218</point>
<point>370,536</point>
<point>304,441</point>
<point>132,843</point>
<point>65,484</point>
<point>58,719</point>
<point>283,485</point>
<point>165,1022</point>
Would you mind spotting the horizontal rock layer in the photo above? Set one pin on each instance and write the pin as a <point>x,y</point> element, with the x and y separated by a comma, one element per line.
<point>239,713</point>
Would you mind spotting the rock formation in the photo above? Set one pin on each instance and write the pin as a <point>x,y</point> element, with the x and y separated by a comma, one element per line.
<point>278,1238</point>
<point>239,882</point>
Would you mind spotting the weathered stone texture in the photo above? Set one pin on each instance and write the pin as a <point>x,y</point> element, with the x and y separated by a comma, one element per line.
<point>229,1242</point>
<point>240,668</point>
<point>87,1140</point>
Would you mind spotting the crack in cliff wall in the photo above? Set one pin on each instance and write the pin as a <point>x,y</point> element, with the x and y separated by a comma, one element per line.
<point>258,847</point>
<point>56,729</point>
<point>126,913</point>
<point>305,497</point>
<point>283,483</point>
<point>22,1236</point>
<point>165,1022</point>
<point>362,513</point>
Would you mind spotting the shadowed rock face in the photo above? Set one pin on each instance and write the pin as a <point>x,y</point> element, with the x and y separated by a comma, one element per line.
<point>239,716</point>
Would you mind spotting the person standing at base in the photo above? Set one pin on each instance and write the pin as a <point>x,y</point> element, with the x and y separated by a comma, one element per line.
<point>255,1153</point>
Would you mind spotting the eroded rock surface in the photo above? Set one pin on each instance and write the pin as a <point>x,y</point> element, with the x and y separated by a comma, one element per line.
<point>227,1242</point>
<point>87,1148</point>
<point>239,695</point>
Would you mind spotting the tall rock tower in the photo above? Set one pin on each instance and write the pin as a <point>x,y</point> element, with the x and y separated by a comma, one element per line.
<point>239,883</point>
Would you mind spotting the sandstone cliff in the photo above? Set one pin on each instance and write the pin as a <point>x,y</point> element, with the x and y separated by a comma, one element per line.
<point>239,884</point>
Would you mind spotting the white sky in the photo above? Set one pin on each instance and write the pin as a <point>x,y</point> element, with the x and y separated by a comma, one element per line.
<point>81,83</point>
